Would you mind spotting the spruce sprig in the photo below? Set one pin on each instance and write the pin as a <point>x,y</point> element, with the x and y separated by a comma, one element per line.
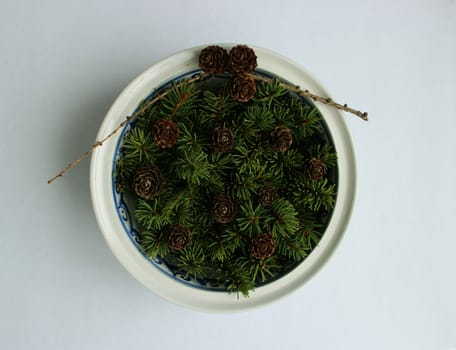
<point>179,103</point>
<point>215,109</point>
<point>193,167</point>
<point>259,270</point>
<point>308,121</point>
<point>223,244</point>
<point>239,280</point>
<point>268,93</point>
<point>259,117</point>
<point>151,215</point>
<point>293,248</point>
<point>139,147</point>
<point>314,194</point>
<point>189,141</point>
<point>192,261</point>
<point>252,219</point>
<point>284,220</point>
<point>325,153</point>
<point>153,244</point>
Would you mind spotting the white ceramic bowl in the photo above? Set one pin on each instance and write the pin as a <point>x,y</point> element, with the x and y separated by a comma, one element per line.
<point>117,228</point>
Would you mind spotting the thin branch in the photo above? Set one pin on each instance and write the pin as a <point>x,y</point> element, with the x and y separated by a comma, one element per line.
<point>122,124</point>
<point>307,93</point>
<point>296,89</point>
<point>90,150</point>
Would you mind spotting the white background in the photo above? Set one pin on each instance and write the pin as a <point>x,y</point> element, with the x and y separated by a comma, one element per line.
<point>391,283</point>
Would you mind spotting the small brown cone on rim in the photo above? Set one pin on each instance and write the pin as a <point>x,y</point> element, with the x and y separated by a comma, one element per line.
<point>224,209</point>
<point>222,140</point>
<point>165,133</point>
<point>282,138</point>
<point>242,60</point>
<point>315,169</point>
<point>242,87</point>
<point>262,246</point>
<point>148,181</point>
<point>178,237</point>
<point>213,59</point>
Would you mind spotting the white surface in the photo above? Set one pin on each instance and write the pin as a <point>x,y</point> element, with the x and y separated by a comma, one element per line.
<point>391,283</point>
<point>133,260</point>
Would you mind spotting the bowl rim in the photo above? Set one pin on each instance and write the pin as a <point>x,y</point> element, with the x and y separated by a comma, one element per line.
<point>137,265</point>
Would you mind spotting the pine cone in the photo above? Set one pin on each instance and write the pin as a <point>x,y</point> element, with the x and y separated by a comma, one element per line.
<point>148,181</point>
<point>222,140</point>
<point>242,60</point>
<point>224,209</point>
<point>213,59</point>
<point>242,87</point>
<point>281,138</point>
<point>178,237</point>
<point>262,246</point>
<point>267,195</point>
<point>315,169</point>
<point>165,133</point>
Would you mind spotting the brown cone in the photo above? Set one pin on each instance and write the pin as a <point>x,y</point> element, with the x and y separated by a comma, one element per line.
<point>222,140</point>
<point>148,181</point>
<point>178,237</point>
<point>267,195</point>
<point>165,133</point>
<point>242,87</point>
<point>281,138</point>
<point>315,169</point>
<point>262,246</point>
<point>224,209</point>
<point>242,60</point>
<point>213,59</point>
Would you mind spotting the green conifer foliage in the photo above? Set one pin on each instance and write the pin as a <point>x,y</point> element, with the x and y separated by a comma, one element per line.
<point>211,180</point>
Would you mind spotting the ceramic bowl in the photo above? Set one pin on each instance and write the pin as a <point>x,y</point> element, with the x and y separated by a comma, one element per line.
<point>118,227</point>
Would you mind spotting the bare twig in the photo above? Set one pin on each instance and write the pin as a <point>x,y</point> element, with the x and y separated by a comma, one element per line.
<point>90,150</point>
<point>296,89</point>
<point>307,93</point>
<point>127,119</point>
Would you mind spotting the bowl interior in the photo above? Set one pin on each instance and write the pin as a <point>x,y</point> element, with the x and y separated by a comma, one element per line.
<point>125,207</point>
<point>113,212</point>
